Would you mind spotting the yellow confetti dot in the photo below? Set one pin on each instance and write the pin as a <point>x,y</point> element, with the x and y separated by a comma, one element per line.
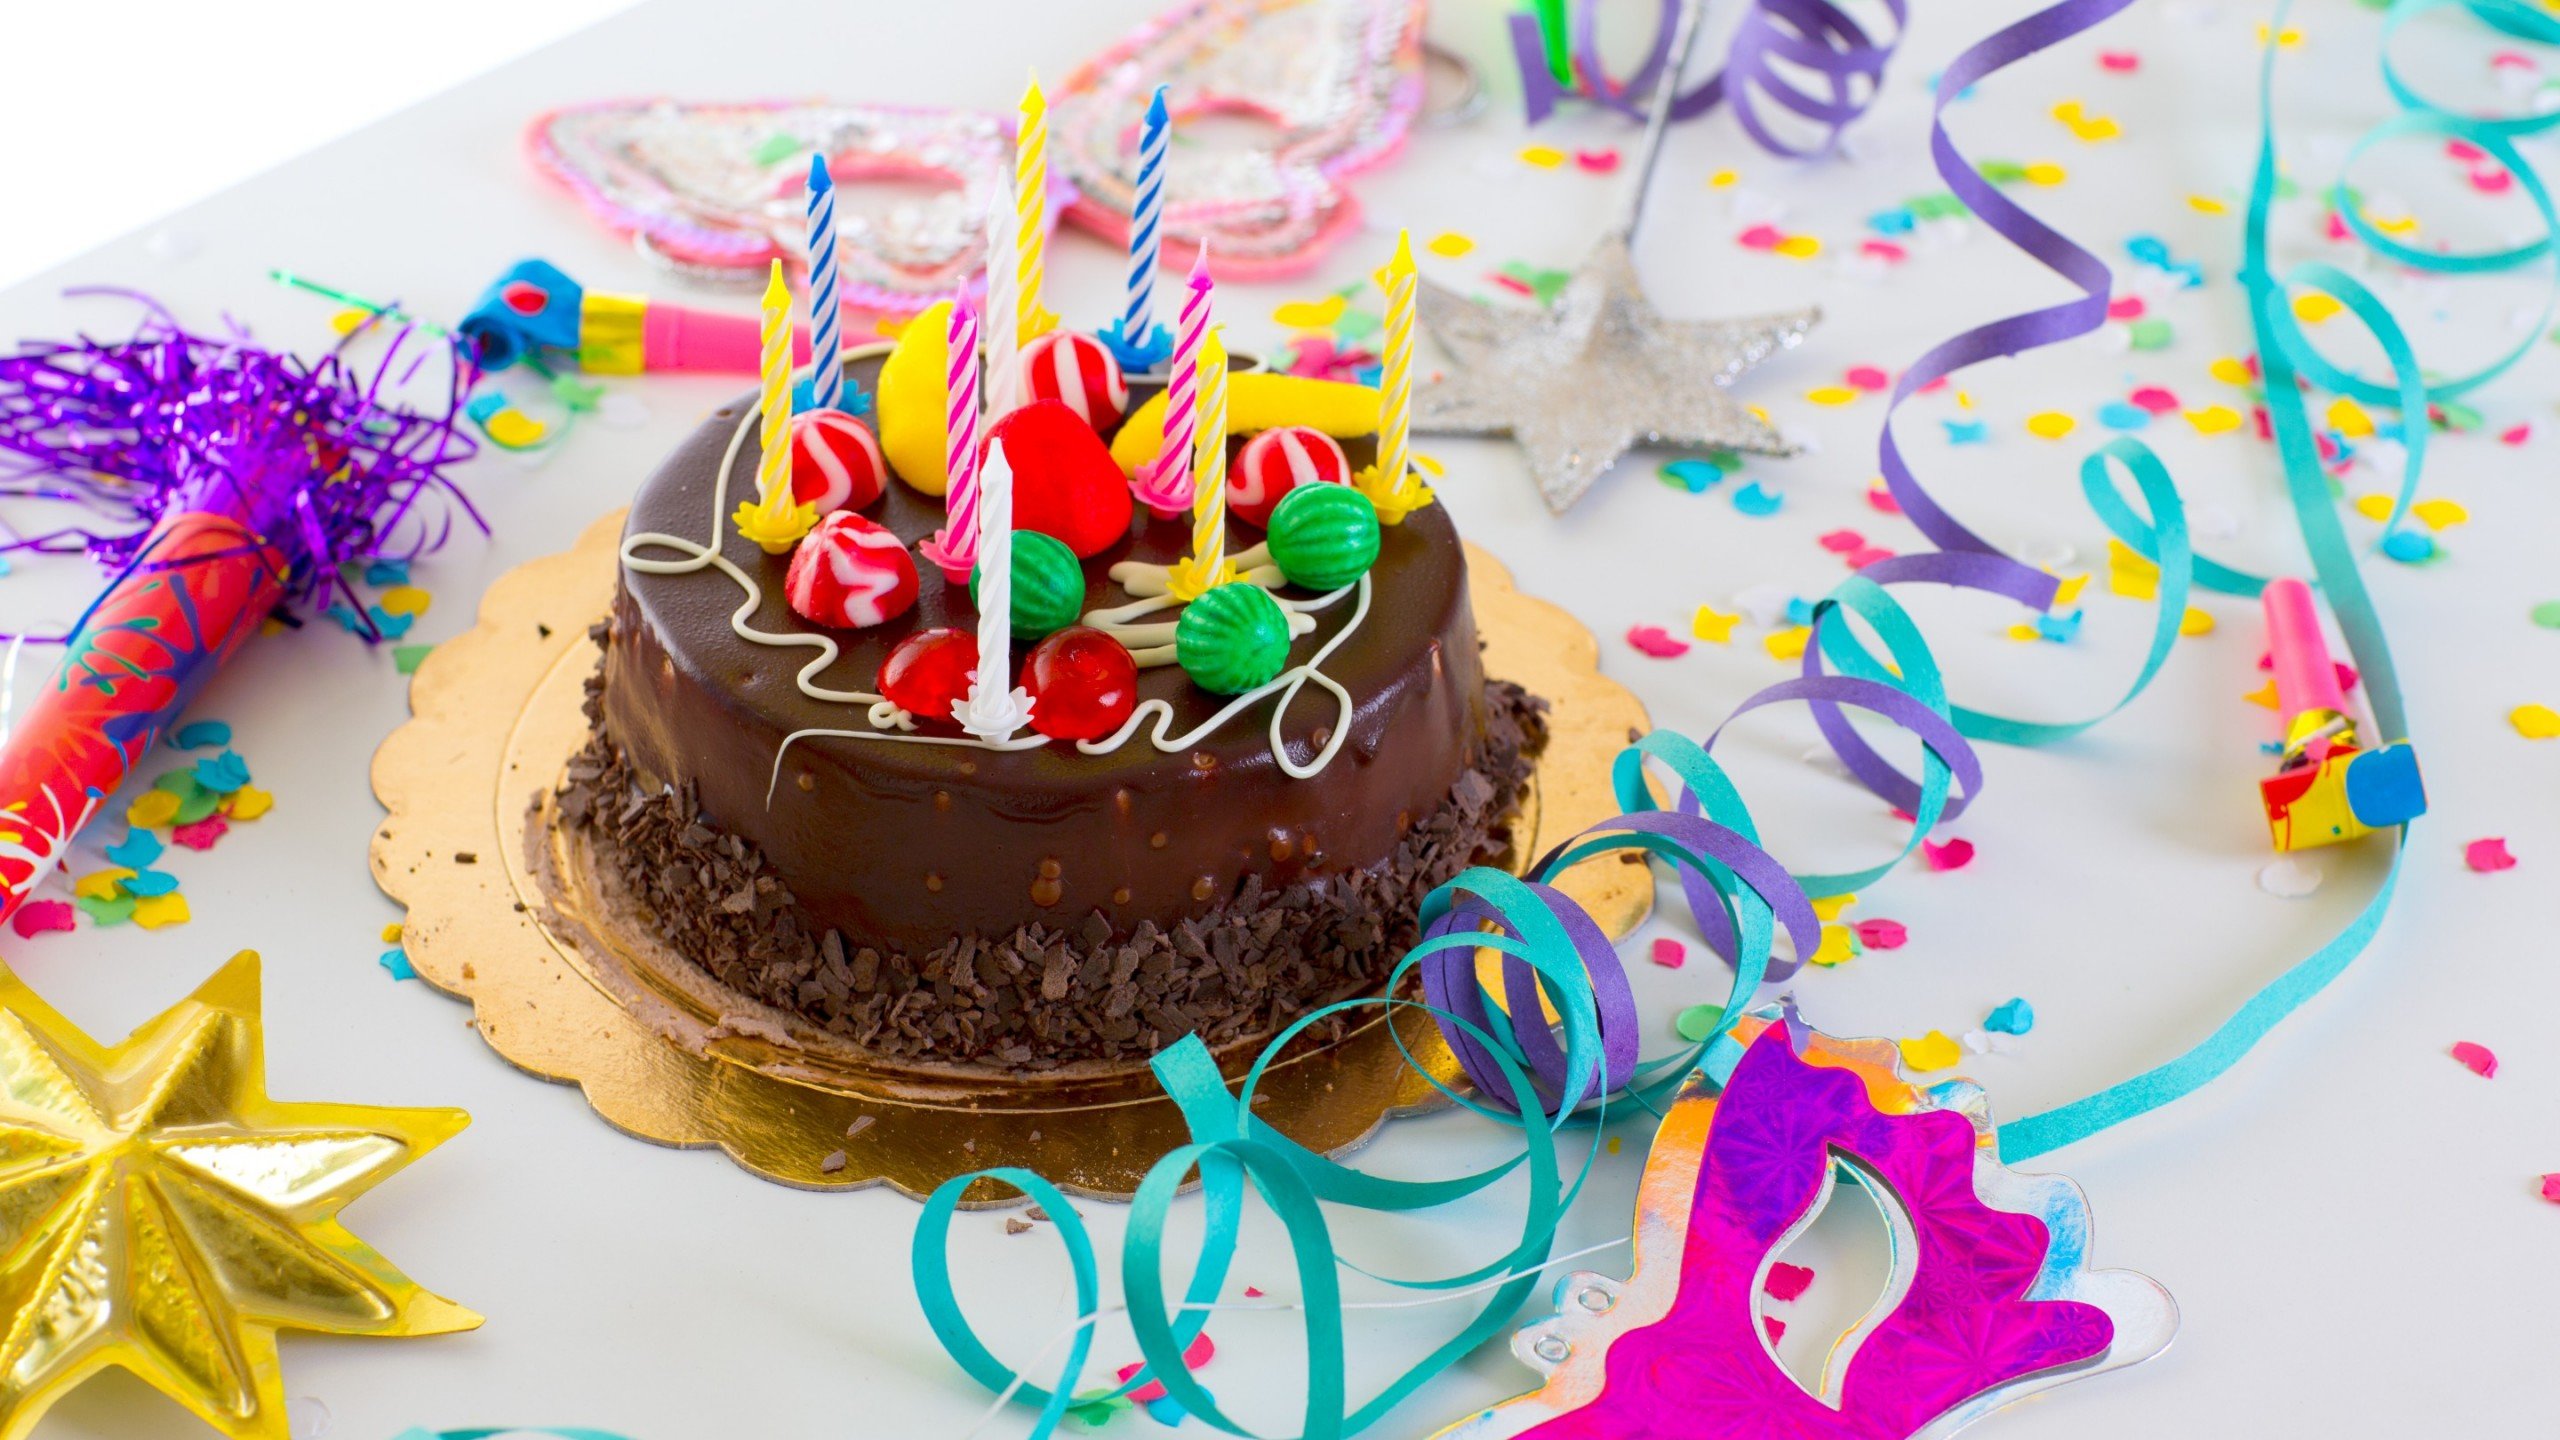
<point>346,321</point>
<point>2535,722</point>
<point>2286,38</point>
<point>104,884</point>
<point>891,326</point>
<point>1545,157</point>
<point>1309,314</point>
<point>248,803</point>
<point>1449,245</point>
<point>391,933</point>
<point>2195,622</point>
<point>512,429</point>
<point>2347,417</point>
<point>2437,514</point>
<point>2264,695</point>
<point>2374,507</point>
<point>1613,1144</point>
<point>1787,644</point>
<point>1933,1051</point>
<point>1712,624</point>
<point>2214,419</point>
<point>1830,907</point>
<point>1831,395</point>
<point>2129,574</point>
<point>404,600</point>
<point>2315,307</point>
<point>1964,399</point>
<point>153,911</point>
<point>2393,225</point>
<point>2069,589</point>
<point>153,809</point>
<point>2051,424</point>
<point>2207,205</point>
<point>2231,370</point>
<point>2023,632</point>
<point>2045,172</point>
<point>1834,947</point>
<point>1724,179</point>
<point>1799,247</point>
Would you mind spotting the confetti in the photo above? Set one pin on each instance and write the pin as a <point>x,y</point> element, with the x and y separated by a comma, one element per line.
<point>2488,856</point>
<point>2013,1016</point>
<point>1953,855</point>
<point>158,911</point>
<point>2085,127</point>
<point>1450,245</point>
<point>1692,474</point>
<point>1753,498</point>
<point>201,834</point>
<point>150,883</point>
<point>2318,306</point>
<point>1787,644</point>
<point>2547,615</point>
<point>1834,948</point>
<point>2195,622</point>
<point>1668,953</point>
<point>2408,547</point>
<point>1787,1282</point>
<point>221,774</point>
<point>2150,333</point>
<point>1831,395</point>
<point>248,803</point>
<point>2551,1187</point>
<point>1713,626</point>
<point>1309,314</point>
<point>2289,877</point>
<point>2123,415</point>
<point>1597,162</point>
<point>1933,1051</point>
<point>37,917</point>
<point>2154,400</point>
<point>2119,62</point>
<point>406,658</point>
<point>106,911</point>
<point>396,961</point>
<point>1545,157</point>
<point>2439,514</point>
<point>137,850</point>
<point>2214,420</point>
<point>2050,425</point>
<point>1882,934</point>
<point>1867,377</point>
<point>1657,642</point>
<point>405,600</point>
<point>1967,432</point>
<point>2479,1059</point>
<point>197,734</point>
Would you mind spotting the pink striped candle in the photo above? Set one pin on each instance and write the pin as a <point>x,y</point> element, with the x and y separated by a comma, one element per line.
<point>955,547</point>
<point>1164,486</point>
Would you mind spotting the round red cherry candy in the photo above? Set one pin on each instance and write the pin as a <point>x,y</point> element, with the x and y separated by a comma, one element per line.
<point>1083,684</point>
<point>835,462</point>
<point>1076,371</point>
<point>929,672</point>
<point>849,573</point>
<point>1276,462</point>
<point>1065,483</point>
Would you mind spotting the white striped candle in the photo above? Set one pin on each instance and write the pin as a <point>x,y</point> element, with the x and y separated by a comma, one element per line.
<point>1146,221</point>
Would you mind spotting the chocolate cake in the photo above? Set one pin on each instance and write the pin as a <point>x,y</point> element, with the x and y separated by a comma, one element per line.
<point>1031,908</point>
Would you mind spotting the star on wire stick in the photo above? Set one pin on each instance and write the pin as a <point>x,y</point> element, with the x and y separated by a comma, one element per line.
<point>1577,383</point>
<point>158,1212</point>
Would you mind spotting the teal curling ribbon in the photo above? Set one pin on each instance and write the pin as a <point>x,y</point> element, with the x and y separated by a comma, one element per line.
<point>1546,1083</point>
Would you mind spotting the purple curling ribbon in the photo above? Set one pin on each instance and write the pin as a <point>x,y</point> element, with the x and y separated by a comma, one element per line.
<point>1809,58</point>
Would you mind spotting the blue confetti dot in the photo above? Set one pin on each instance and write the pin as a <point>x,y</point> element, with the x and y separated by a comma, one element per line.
<point>2059,629</point>
<point>136,850</point>
<point>1897,221</point>
<point>1692,475</point>
<point>396,960</point>
<point>2123,415</point>
<point>149,882</point>
<point>2409,546</point>
<point>222,774</point>
<point>2012,1017</point>
<point>1967,432</point>
<point>196,734</point>
<point>1799,610</point>
<point>1755,499</point>
<point>387,572</point>
<point>391,626</point>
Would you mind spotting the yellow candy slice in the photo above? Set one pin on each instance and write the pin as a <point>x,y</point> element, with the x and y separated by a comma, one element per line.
<point>1255,401</point>
<point>914,387</point>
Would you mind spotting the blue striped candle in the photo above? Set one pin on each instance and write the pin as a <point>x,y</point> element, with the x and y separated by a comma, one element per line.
<point>1146,222</point>
<point>826,367</point>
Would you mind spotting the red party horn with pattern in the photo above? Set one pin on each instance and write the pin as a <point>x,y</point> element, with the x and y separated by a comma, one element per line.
<point>237,479</point>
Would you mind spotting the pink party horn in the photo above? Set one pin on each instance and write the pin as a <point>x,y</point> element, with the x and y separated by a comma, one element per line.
<point>2327,788</point>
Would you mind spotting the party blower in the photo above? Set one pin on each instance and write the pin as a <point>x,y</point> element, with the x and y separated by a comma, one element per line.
<point>535,310</point>
<point>2327,788</point>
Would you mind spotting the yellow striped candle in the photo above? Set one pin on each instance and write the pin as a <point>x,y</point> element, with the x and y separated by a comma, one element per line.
<point>1031,214</point>
<point>774,520</point>
<point>1391,485</point>
<point>1207,568</point>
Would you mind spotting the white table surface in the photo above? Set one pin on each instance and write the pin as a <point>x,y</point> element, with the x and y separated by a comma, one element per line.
<point>2348,1197</point>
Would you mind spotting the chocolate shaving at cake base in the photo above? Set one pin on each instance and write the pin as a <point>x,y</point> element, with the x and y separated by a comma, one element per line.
<point>1043,997</point>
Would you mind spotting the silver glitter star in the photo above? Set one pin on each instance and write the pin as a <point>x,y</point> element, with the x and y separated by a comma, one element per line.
<point>1579,382</point>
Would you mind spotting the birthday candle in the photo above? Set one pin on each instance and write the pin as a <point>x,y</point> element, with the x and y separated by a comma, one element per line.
<point>994,710</point>
<point>826,366</point>
<point>1165,485</point>
<point>956,548</point>
<point>1031,209</point>
<point>1002,338</point>
<point>1146,216</point>
<point>1209,470</point>
<point>1395,382</point>
<point>775,520</point>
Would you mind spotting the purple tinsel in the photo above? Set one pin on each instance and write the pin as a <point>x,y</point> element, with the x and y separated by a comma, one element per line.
<point>310,454</point>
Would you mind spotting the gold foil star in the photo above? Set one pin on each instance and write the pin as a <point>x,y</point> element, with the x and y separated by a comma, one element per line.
<point>158,1212</point>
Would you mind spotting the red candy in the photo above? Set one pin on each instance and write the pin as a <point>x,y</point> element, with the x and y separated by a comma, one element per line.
<point>1276,462</point>
<point>1065,483</point>
<point>929,672</point>
<point>1083,684</point>
<point>849,573</point>
<point>1077,372</point>
<point>835,462</point>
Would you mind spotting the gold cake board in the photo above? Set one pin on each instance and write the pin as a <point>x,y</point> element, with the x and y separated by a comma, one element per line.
<point>506,911</point>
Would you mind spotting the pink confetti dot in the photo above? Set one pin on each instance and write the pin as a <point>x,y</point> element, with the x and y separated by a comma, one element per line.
<point>1866,377</point>
<point>1953,855</point>
<point>1866,555</point>
<point>1657,642</point>
<point>2154,399</point>
<point>1884,250</point>
<point>1841,542</point>
<point>1882,934</point>
<point>2515,435</point>
<point>1787,1282</point>
<point>38,916</point>
<point>2490,180</point>
<point>1880,497</point>
<point>1670,954</point>
<point>1776,1327</point>
<point>1598,162</point>
<point>2488,856</point>
<point>2337,226</point>
<point>1513,284</point>
<point>2551,1187</point>
<point>1193,1358</point>
<point>201,834</point>
<point>2464,151</point>
<point>2126,307</point>
<point>2120,62</point>
<point>2479,1059</point>
<point>1763,236</point>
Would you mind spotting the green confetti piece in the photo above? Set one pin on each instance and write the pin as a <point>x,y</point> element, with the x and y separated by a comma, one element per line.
<point>409,657</point>
<point>195,807</point>
<point>2151,333</point>
<point>576,395</point>
<point>1940,206</point>
<point>2456,417</point>
<point>775,148</point>
<point>181,783</point>
<point>106,912</point>
<point>2002,172</point>
<point>2547,614</point>
<point>1357,325</point>
<point>1697,1022</point>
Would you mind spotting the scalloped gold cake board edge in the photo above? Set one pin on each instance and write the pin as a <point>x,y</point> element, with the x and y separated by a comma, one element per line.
<point>555,991</point>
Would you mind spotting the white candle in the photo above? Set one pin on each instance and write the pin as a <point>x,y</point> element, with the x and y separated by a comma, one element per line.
<point>1001,334</point>
<point>994,709</point>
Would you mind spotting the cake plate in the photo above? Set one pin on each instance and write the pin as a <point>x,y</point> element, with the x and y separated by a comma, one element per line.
<point>506,911</point>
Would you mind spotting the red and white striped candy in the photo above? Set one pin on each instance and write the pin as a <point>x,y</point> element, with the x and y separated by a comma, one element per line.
<point>1063,365</point>
<point>1276,462</point>
<point>835,462</point>
<point>849,573</point>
